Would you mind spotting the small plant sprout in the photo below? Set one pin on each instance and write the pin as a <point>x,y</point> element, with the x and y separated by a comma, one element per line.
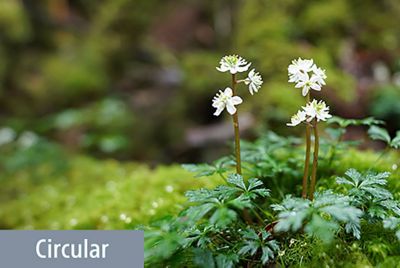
<point>228,99</point>
<point>306,75</point>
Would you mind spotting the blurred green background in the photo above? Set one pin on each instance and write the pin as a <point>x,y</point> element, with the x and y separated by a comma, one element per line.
<point>134,79</point>
<point>82,81</point>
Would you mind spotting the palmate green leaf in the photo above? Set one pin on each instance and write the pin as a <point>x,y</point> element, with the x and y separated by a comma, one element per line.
<point>223,216</point>
<point>219,166</point>
<point>195,213</point>
<point>241,202</point>
<point>200,170</point>
<point>250,247</point>
<point>267,254</point>
<point>219,206</point>
<point>354,178</point>
<point>253,189</point>
<point>201,195</point>
<point>366,186</point>
<point>323,229</point>
<point>292,213</point>
<point>368,193</point>
<point>377,133</point>
<point>318,217</point>
<point>352,228</point>
<point>254,183</point>
<point>237,180</point>
<point>253,243</point>
<point>391,205</point>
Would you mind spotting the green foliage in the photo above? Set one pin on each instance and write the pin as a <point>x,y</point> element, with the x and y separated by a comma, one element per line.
<point>229,225</point>
<point>320,217</point>
<point>213,228</point>
<point>368,193</point>
<point>385,105</point>
<point>219,167</point>
<point>377,133</point>
<point>223,202</point>
<point>254,243</point>
<point>393,223</point>
<point>343,122</point>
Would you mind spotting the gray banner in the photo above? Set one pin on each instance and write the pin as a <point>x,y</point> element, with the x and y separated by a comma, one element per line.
<point>77,249</point>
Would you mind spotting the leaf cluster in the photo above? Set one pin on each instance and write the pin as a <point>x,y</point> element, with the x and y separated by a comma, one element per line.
<point>369,194</point>
<point>213,227</point>
<point>344,123</point>
<point>321,217</point>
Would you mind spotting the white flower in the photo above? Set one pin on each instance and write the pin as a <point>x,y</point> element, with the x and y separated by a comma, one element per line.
<point>305,82</point>
<point>317,110</point>
<point>225,99</point>
<point>299,67</point>
<point>7,135</point>
<point>233,64</point>
<point>306,75</point>
<point>296,119</point>
<point>254,80</point>
<point>319,74</point>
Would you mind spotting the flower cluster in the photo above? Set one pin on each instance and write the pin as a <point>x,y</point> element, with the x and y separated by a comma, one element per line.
<point>225,99</point>
<point>306,75</point>
<point>313,110</point>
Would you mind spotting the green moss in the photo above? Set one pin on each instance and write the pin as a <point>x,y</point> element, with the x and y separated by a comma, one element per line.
<point>96,194</point>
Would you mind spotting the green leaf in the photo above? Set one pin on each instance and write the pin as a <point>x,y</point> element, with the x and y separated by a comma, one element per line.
<point>393,223</point>
<point>241,202</point>
<point>200,170</point>
<point>292,214</point>
<point>223,216</point>
<point>250,247</point>
<point>237,180</point>
<point>343,123</point>
<point>377,133</point>
<point>226,261</point>
<point>396,141</point>
<point>335,133</point>
<point>253,243</point>
<point>368,192</point>
<point>318,217</point>
<point>254,183</point>
<point>267,254</point>
<point>323,229</point>
<point>203,258</point>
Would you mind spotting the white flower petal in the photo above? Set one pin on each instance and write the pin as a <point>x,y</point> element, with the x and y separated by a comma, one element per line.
<point>305,90</point>
<point>218,111</point>
<point>236,100</point>
<point>230,108</point>
<point>228,92</point>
